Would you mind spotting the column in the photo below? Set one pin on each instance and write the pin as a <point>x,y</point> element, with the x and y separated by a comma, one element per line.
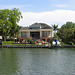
<point>28,34</point>
<point>40,34</point>
<point>50,33</point>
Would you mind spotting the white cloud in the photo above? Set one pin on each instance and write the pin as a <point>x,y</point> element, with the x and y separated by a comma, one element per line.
<point>51,17</point>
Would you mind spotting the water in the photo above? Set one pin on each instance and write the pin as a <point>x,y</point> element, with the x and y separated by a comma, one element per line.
<point>35,61</point>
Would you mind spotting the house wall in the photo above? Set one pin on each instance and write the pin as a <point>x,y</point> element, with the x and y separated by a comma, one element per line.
<point>23,34</point>
<point>44,33</point>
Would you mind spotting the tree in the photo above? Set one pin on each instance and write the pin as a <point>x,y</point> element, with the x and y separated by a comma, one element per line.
<point>15,18</point>
<point>67,33</point>
<point>8,22</point>
<point>68,25</point>
<point>55,28</point>
<point>5,24</point>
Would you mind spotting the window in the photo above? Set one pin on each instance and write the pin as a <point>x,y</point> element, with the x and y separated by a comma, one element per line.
<point>23,34</point>
<point>35,27</point>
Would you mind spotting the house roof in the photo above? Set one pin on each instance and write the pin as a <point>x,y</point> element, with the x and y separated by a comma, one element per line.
<point>37,26</point>
<point>24,28</point>
<point>41,25</point>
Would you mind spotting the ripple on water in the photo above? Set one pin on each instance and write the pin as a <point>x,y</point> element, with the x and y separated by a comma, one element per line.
<point>37,61</point>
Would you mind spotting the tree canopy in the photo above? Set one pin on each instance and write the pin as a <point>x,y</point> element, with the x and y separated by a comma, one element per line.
<point>8,22</point>
<point>67,32</point>
<point>55,26</point>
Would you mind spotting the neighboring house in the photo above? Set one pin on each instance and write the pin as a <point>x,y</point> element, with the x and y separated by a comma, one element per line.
<point>36,31</point>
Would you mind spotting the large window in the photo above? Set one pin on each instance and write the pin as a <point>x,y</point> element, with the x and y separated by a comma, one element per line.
<point>35,34</point>
<point>24,34</point>
<point>45,33</point>
<point>48,33</point>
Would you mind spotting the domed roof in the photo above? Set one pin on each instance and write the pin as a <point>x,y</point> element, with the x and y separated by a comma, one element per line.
<point>37,26</point>
<point>40,26</point>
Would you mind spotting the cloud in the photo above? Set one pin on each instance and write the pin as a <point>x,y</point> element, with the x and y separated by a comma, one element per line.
<point>51,17</point>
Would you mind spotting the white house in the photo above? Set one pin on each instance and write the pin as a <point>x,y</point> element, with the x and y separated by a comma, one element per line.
<point>36,31</point>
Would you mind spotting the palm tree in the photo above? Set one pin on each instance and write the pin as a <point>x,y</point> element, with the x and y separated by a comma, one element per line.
<point>55,28</point>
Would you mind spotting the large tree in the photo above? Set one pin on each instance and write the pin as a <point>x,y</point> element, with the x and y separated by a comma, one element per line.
<point>5,27</point>
<point>14,19</point>
<point>8,22</point>
<point>67,32</point>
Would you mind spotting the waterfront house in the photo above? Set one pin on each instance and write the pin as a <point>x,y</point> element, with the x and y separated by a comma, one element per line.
<point>36,31</point>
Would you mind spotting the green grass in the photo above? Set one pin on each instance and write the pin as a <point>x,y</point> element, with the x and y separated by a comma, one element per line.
<point>63,44</point>
<point>7,42</point>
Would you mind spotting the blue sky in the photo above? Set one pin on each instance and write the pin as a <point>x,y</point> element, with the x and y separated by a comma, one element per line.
<point>38,5</point>
<point>46,11</point>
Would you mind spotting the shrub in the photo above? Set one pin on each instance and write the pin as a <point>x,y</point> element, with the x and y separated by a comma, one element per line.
<point>72,43</point>
<point>31,41</point>
<point>7,42</point>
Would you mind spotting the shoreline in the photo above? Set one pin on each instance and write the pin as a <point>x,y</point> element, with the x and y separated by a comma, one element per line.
<point>64,46</point>
<point>67,46</point>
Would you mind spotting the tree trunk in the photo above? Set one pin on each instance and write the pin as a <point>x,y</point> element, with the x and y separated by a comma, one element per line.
<point>4,38</point>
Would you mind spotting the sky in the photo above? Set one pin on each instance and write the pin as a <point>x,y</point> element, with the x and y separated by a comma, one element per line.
<point>42,11</point>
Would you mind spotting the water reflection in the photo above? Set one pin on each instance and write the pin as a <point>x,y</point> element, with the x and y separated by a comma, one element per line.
<point>8,62</point>
<point>37,61</point>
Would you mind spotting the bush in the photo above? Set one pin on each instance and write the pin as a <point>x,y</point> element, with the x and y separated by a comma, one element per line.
<point>31,41</point>
<point>63,44</point>
<point>72,43</point>
<point>7,42</point>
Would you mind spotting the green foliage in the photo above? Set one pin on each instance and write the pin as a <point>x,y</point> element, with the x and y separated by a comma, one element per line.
<point>55,26</point>
<point>68,25</point>
<point>31,41</point>
<point>5,27</point>
<point>67,33</point>
<point>8,22</point>
<point>72,43</point>
<point>7,42</point>
<point>15,18</point>
<point>63,44</point>
<point>57,37</point>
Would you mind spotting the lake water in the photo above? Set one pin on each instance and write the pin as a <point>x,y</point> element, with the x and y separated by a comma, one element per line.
<point>37,61</point>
